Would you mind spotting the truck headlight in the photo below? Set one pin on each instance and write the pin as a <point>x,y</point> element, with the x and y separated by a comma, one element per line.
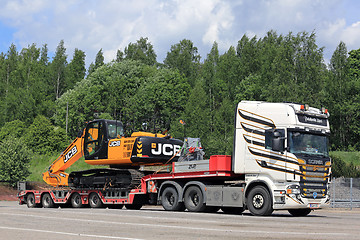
<point>293,189</point>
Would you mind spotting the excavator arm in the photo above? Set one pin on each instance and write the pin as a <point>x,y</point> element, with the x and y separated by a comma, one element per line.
<point>56,175</point>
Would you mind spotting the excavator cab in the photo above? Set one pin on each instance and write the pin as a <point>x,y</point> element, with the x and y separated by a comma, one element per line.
<point>97,135</point>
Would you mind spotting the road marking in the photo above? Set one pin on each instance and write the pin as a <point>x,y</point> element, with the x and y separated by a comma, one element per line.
<point>67,233</point>
<point>156,225</point>
<point>185,214</point>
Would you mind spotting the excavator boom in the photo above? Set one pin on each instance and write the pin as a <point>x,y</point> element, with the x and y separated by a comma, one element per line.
<point>56,175</point>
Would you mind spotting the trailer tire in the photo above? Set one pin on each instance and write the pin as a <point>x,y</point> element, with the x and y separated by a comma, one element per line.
<point>259,201</point>
<point>194,199</point>
<point>95,201</point>
<point>300,212</point>
<point>76,201</point>
<point>170,200</point>
<point>30,201</point>
<point>47,201</point>
<point>133,206</point>
<point>232,210</point>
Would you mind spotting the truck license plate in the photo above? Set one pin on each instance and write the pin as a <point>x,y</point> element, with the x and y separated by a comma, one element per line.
<point>314,205</point>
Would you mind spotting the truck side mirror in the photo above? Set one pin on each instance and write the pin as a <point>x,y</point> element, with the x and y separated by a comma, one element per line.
<point>278,145</point>
<point>278,141</point>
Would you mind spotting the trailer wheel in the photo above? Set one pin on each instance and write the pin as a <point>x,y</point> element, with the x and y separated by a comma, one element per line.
<point>170,200</point>
<point>95,201</point>
<point>47,201</point>
<point>232,210</point>
<point>30,201</point>
<point>133,206</point>
<point>76,201</point>
<point>194,199</point>
<point>300,212</point>
<point>259,201</point>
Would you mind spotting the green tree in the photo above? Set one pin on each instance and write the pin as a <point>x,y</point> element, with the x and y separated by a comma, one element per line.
<point>99,60</point>
<point>75,69</point>
<point>13,129</point>
<point>43,138</point>
<point>353,108</point>
<point>196,113</point>
<point>119,56</point>
<point>129,91</point>
<point>142,50</point>
<point>161,99</point>
<point>336,95</point>
<point>228,70</point>
<point>184,57</point>
<point>15,157</point>
<point>58,66</point>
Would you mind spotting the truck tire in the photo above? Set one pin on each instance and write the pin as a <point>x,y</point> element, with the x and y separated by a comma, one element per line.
<point>259,201</point>
<point>194,199</point>
<point>170,200</point>
<point>232,210</point>
<point>95,201</point>
<point>300,212</point>
<point>76,201</point>
<point>30,201</point>
<point>47,201</point>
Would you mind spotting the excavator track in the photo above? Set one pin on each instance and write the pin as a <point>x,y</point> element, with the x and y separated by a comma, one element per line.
<point>105,178</point>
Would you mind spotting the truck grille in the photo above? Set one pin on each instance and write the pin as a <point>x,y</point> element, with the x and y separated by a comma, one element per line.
<point>314,179</point>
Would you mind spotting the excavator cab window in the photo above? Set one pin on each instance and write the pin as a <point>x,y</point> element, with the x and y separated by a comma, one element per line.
<point>115,129</point>
<point>94,140</point>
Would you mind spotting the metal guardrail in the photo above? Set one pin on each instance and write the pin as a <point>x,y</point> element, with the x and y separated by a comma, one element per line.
<point>345,192</point>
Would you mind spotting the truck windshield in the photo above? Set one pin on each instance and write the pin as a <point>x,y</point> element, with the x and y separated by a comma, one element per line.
<point>308,143</point>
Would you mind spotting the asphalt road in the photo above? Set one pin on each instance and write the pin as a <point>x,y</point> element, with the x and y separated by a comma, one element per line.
<point>20,222</point>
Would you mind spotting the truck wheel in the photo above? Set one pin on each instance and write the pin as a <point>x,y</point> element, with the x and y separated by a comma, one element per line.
<point>300,212</point>
<point>232,210</point>
<point>47,201</point>
<point>259,201</point>
<point>170,200</point>
<point>194,199</point>
<point>95,201</point>
<point>76,201</point>
<point>30,201</point>
<point>133,206</point>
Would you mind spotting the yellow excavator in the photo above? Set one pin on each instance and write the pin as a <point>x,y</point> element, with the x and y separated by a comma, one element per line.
<point>102,142</point>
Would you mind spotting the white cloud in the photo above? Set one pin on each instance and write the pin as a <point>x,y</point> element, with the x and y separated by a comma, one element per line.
<point>111,25</point>
<point>351,35</point>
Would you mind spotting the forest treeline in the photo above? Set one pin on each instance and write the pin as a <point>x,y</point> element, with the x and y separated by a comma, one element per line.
<point>36,91</point>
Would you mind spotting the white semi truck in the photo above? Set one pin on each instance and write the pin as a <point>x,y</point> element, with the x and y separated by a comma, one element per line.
<point>282,149</point>
<point>280,161</point>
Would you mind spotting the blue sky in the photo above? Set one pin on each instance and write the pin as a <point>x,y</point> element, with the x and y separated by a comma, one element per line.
<point>112,24</point>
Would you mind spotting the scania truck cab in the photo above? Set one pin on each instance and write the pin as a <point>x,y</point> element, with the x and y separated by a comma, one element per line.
<point>282,148</point>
